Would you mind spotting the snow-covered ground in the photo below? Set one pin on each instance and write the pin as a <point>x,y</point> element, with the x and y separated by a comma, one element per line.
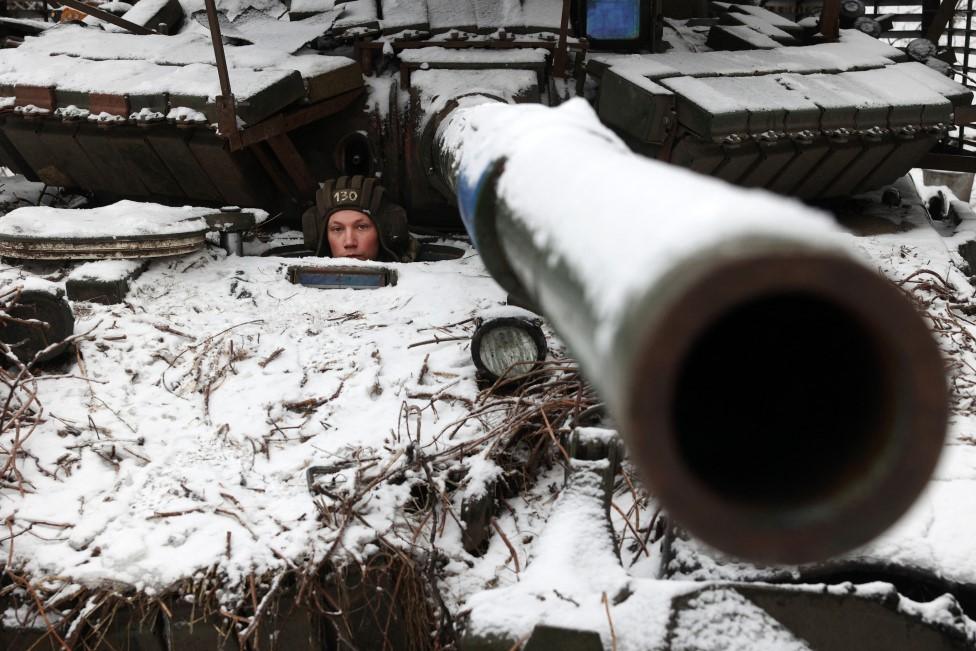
<point>175,441</point>
<point>180,436</point>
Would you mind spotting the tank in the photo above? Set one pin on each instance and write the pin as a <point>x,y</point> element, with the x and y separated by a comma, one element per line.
<point>744,95</point>
<point>783,401</point>
<point>738,92</point>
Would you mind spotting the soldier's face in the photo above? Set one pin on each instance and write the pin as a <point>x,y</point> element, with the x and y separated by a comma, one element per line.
<point>353,234</point>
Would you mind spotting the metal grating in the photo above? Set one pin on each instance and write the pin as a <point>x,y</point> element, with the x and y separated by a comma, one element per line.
<point>911,21</point>
<point>908,18</point>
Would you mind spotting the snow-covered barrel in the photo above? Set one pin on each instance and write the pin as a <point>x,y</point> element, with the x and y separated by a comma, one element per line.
<point>785,402</point>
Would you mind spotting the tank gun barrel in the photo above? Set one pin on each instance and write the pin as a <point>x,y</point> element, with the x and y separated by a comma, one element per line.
<point>784,401</point>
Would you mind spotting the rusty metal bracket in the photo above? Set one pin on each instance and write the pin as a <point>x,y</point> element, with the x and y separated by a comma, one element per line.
<point>227,121</point>
<point>964,115</point>
<point>285,122</point>
<point>670,140</point>
<point>830,20</point>
<point>294,164</point>
<point>95,12</point>
<point>226,105</point>
<point>562,52</point>
<point>365,55</point>
<point>273,169</point>
<point>42,97</point>
<point>108,103</point>
<point>961,162</point>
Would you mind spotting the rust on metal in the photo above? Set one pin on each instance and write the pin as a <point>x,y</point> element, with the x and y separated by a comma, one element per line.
<point>227,121</point>
<point>112,104</point>
<point>293,163</point>
<point>408,67</point>
<point>399,46</point>
<point>102,249</point>
<point>941,20</point>
<point>562,51</point>
<point>830,20</point>
<point>285,122</point>
<point>226,105</point>
<point>218,46</point>
<point>964,114</point>
<point>273,170</point>
<point>101,14</point>
<point>365,55</point>
<point>40,96</point>
<point>951,162</point>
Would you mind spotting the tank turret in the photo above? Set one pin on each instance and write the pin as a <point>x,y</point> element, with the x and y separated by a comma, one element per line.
<point>667,286</point>
<point>736,91</point>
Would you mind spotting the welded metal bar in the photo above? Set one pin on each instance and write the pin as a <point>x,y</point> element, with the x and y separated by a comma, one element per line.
<point>284,149</point>
<point>941,20</point>
<point>562,53</point>
<point>218,46</point>
<point>95,12</point>
<point>964,114</point>
<point>950,162</point>
<point>285,122</point>
<point>226,106</point>
<point>830,19</point>
<point>467,45</point>
<point>965,60</point>
<point>273,169</point>
<point>968,38</point>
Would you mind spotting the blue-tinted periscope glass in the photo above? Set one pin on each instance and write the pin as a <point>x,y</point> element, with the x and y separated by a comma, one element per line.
<point>613,19</point>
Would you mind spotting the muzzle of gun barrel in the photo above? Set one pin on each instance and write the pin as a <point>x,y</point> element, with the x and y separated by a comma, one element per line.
<point>785,402</point>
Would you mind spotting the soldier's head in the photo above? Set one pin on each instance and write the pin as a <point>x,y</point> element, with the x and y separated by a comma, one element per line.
<point>352,234</point>
<point>353,218</point>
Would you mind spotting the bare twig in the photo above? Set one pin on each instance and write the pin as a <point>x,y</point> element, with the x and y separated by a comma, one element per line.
<point>174,514</point>
<point>508,543</point>
<point>438,340</point>
<point>162,327</point>
<point>270,358</point>
<point>613,633</point>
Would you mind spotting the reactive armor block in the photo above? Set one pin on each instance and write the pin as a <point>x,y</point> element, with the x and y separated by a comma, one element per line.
<point>818,121</point>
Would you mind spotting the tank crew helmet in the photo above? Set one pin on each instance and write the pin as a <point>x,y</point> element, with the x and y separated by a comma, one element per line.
<point>367,196</point>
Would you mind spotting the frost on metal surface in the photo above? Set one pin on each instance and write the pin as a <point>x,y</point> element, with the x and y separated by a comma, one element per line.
<point>185,444</point>
<point>178,445</point>
<point>577,536</point>
<point>122,219</point>
<point>724,620</point>
<point>547,150</point>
